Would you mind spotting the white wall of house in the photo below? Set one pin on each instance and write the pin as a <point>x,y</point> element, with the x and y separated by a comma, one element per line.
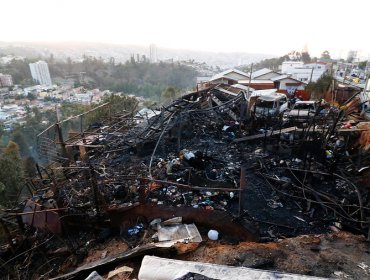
<point>284,82</point>
<point>303,72</point>
<point>289,65</point>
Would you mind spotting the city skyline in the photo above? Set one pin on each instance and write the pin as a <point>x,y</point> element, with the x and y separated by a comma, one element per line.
<point>270,27</point>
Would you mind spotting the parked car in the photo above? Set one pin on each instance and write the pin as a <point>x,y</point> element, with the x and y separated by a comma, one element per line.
<point>271,105</point>
<point>302,111</point>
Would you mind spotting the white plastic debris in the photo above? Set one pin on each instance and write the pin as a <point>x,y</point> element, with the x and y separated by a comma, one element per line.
<point>213,234</point>
<point>341,274</point>
<point>94,276</point>
<point>189,155</point>
<point>173,269</point>
<point>363,266</point>
<point>179,233</point>
<point>154,224</point>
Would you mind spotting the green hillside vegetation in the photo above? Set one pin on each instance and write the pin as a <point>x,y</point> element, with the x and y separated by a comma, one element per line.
<point>11,175</point>
<point>139,78</point>
<point>20,71</point>
<point>25,135</point>
<point>274,63</point>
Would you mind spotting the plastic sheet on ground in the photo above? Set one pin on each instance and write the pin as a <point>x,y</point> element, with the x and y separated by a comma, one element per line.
<point>155,268</point>
<point>179,233</point>
<point>94,276</point>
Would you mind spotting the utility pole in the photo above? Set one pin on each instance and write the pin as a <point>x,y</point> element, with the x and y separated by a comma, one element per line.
<point>344,75</point>
<point>311,74</point>
<point>250,79</point>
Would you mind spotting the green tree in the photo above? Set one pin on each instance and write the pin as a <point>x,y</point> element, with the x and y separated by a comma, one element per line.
<point>2,129</point>
<point>116,105</point>
<point>320,87</point>
<point>19,138</point>
<point>306,58</point>
<point>271,63</point>
<point>362,65</point>
<point>51,59</point>
<point>325,55</point>
<point>11,175</point>
<point>168,94</point>
<point>31,96</point>
<point>69,65</point>
<point>29,166</point>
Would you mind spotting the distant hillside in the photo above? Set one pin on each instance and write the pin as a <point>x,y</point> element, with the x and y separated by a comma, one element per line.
<point>139,78</point>
<point>122,53</point>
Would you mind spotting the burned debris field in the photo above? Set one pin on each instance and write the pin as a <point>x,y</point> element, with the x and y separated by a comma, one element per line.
<point>203,179</point>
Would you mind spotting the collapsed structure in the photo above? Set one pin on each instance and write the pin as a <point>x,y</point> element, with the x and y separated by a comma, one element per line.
<point>208,158</point>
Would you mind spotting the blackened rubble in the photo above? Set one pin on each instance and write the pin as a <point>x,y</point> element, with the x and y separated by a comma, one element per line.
<point>198,159</point>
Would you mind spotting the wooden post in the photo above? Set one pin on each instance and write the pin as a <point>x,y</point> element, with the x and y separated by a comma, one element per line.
<point>39,171</point>
<point>243,185</point>
<point>179,132</point>
<point>60,134</point>
<point>82,127</point>
<point>82,149</point>
<point>162,127</point>
<point>110,112</point>
<point>95,190</point>
<point>54,186</point>
<point>29,188</point>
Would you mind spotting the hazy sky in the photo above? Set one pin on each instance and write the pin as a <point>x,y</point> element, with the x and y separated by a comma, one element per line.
<point>264,26</point>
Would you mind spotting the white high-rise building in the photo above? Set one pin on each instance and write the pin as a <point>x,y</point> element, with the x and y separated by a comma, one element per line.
<point>40,73</point>
<point>153,53</point>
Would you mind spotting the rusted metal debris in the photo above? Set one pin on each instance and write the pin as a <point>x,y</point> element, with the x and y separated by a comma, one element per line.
<point>41,219</point>
<point>205,157</point>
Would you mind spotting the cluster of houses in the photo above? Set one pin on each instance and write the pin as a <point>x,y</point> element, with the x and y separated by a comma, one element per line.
<point>65,93</point>
<point>291,80</point>
<point>13,103</point>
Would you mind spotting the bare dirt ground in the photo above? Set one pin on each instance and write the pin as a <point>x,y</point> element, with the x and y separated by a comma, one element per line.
<point>109,248</point>
<point>338,255</point>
